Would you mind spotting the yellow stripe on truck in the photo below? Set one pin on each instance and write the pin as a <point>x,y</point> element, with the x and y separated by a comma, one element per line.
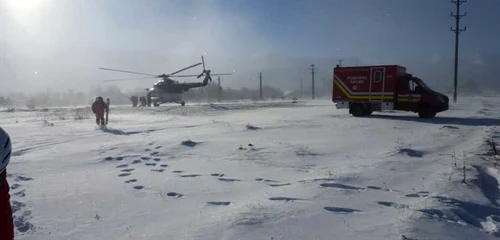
<point>408,100</point>
<point>358,97</point>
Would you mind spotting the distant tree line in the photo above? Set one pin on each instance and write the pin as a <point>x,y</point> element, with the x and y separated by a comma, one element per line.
<point>71,97</point>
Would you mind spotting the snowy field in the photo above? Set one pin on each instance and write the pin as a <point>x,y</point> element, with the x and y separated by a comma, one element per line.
<point>268,170</point>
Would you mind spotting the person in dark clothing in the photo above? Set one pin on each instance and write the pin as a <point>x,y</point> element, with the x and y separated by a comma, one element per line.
<point>99,107</point>
<point>6,218</point>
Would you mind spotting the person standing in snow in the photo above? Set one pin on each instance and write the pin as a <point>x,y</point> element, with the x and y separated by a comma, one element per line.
<point>6,219</point>
<point>99,107</point>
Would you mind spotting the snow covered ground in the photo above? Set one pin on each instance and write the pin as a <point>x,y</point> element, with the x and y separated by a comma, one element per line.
<point>268,170</point>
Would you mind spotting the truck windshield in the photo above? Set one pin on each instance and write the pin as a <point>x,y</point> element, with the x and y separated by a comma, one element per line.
<point>421,83</point>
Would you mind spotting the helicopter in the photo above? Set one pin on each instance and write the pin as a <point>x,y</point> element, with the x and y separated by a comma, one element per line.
<point>167,90</point>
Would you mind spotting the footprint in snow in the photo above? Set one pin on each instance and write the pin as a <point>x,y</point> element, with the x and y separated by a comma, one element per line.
<point>147,150</point>
<point>229,179</point>
<point>217,174</point>
<point>164,165</point>
<point>177,171</point>
<point>411,152</point>
<point>158,147</point>
<point>119,158</point>
<point>342,186</point>
<point>157,159</point>
<point>138,187</point>
<point>449,127</point>
<point>128,170</point>
<point>22,179</point>
<point>272,183</point>
<point>219,203</point>
<point>17,206</point>
<point>381,189</point>
<point>391,204</point>
<point>151,164</point>
<point>191,175</point>
<point>286,199</point>
<point>174,194</point>
<point>136,161</point>
<point>21,193</point>
<point>131,181</point>
<point>157,170</point>
<point>15,186</point>
<point>189,143</point>
<point>264,180</point>
<point>122,166</point>
<point>145,158</point>
<point>416,195</point>
<point>22,223</point>
<point>341,210</point>
<point>154,153</point>
<point>279,184</point>
<point>124,175</point>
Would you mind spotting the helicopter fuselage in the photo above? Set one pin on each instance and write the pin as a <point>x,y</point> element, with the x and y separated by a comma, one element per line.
<point>165,92</point>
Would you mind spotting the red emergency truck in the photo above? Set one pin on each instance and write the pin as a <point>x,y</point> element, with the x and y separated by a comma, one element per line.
<point>364,89</point>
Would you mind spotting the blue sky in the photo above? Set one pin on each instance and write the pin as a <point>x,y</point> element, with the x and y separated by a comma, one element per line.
<point>64,42</point>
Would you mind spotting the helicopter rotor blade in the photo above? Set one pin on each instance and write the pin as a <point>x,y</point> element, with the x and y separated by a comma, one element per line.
<point>203,60</point>
<point>125,79</point>
<point>184,69</point>
<point>116,70</point>
<point>184,76</point>
<point>220,74</point>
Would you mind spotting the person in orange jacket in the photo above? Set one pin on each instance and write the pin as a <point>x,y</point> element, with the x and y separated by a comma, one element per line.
<point>6,218</point>
<point>99,107</point>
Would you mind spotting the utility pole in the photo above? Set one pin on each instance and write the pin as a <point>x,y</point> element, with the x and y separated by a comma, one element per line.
<point>260,85</point>
<point>218,81</point>
<point>457,31</point>
<point>301,87</point>
<point>312,72</point>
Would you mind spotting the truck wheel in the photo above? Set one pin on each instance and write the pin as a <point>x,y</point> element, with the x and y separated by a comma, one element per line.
<point>357,110</point>
<point>426,112</point>
<point>368,112</point>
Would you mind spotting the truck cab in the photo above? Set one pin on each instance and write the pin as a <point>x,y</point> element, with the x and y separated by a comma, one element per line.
<point>365,89</point>
<point>415,95</point>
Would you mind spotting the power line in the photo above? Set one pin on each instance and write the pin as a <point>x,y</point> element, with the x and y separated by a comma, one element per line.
<point>457,30</point>
<point>312,72</point>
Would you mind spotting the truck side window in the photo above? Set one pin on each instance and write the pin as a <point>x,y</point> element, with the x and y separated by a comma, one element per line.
<point>377,76</point>
<point>411,86</point>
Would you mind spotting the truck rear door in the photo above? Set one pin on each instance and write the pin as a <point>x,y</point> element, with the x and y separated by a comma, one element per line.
<point>377,83</point>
